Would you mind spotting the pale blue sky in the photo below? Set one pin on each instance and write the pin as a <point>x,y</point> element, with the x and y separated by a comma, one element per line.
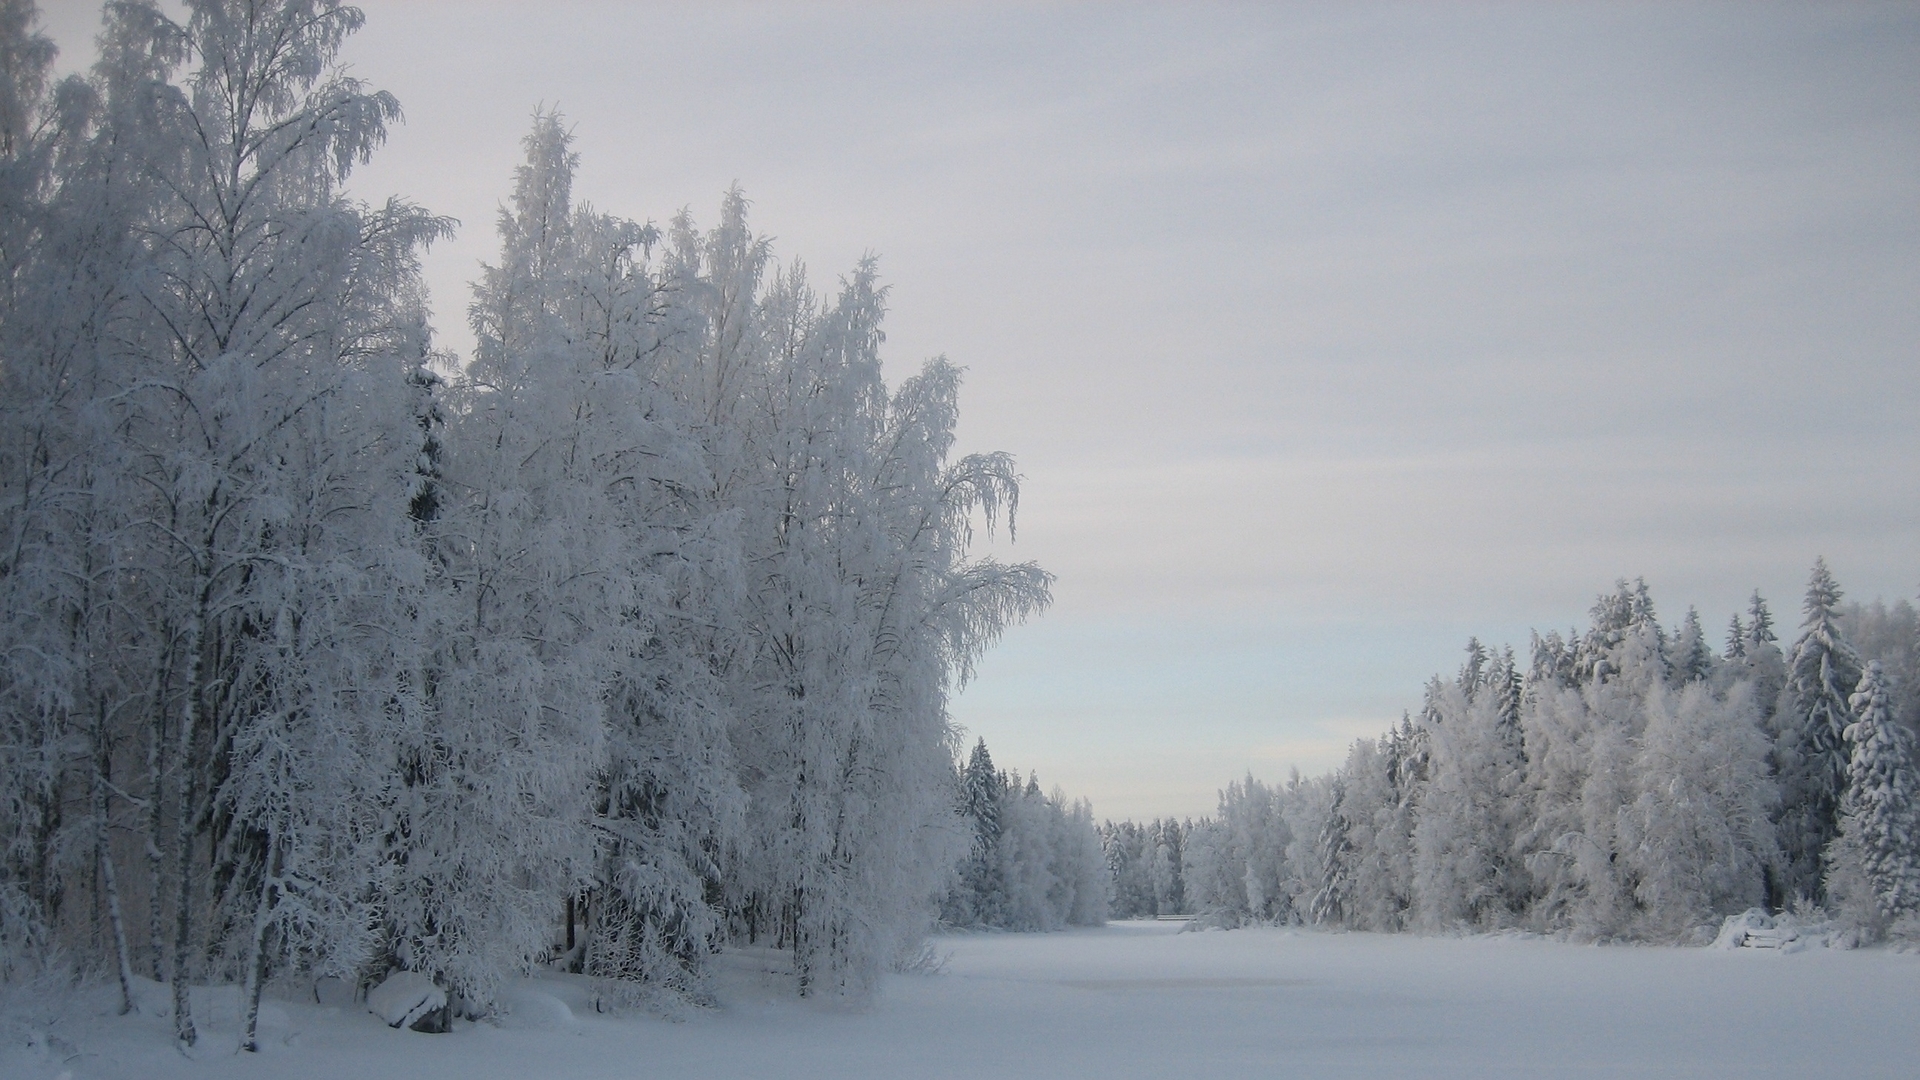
<point>1326,335</point>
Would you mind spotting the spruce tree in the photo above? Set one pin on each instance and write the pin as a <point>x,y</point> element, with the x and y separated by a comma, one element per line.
<point>1473,673</point>
<point>1810,751</point>
<point>1762,662</point>
<point>982,790</point>
<point>1509,689</point>
<point>1880,830</point>
<point>1759,621</point>
<point>1332,901</point>
<point>1692,660</point>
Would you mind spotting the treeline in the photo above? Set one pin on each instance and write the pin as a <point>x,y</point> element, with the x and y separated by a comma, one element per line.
<point>322,653</point>
<point>1036,861</point>
<point>1628,782</point>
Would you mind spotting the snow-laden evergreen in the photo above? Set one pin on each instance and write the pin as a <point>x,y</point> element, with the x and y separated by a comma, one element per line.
<point>1810,750</point>
<point>1877,851</point>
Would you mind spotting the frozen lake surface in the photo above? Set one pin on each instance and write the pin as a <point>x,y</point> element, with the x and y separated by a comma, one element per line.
<point>1132,1000</point>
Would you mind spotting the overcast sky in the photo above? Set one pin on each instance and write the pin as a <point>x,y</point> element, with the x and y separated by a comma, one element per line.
<point>1326,335</point>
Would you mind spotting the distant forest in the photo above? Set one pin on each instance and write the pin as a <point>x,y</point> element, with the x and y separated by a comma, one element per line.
<point>1626,783</point>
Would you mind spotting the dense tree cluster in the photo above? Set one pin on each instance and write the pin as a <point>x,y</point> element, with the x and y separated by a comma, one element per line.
<point>1143,863</point>
<point>1035,862</point>
<point>1628,782</point>
<point>321,652</point>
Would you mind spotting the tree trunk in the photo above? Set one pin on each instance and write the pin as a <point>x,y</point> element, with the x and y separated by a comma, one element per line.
<point>184,795</point>
<point>156,861</point>
<point>257,946</point>
<point>108,882</point>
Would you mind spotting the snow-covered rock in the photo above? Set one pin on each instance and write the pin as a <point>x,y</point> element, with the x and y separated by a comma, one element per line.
<point>404,998</point>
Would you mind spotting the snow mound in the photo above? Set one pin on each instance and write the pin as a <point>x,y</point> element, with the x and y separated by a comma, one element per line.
<point>1750,925</point>
<point>404,997</point>
<point>527,1008</point>
<point>1755,929</point>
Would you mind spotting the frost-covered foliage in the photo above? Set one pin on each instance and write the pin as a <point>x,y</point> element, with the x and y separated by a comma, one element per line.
<point>1874,862</point>
<point>1036,860</point>
<point>1144,867</point>
<point>1237,862</point>
<point>1890,634</point>
<point>1628,783</point>
<point>324,652</point>
<point>1810,750</point>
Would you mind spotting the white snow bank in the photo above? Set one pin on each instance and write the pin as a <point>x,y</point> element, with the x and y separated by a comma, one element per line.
<point>524,1007</point>
<point>404,997</point>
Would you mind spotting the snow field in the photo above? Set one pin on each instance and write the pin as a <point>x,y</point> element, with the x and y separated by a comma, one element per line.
<point>1133,999</point>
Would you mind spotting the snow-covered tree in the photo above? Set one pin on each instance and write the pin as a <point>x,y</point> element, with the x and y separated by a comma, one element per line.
<point>1334,899</point>
<point>253,330</point>
<point>1237,863</point>
<point>1466,870</point>
<point>1692,659</point>
<point>1038,862</point>
<point>1130,889</point>
<point>1810,750</point>
<point>1367,796</point>
<point>979,896</point>
<point>654,607</point>
<point>1877,852</point>
<point>1761,661</point>
<point>1890,633</point>
<point>61,515</point>
<point>1580,743</point>
<point>1697,838</point>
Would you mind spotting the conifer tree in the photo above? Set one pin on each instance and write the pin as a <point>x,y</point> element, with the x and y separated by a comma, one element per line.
<point>981,891</point>
<point>1509,688</point>
<point>1693,660</point>
<point>1333,900</point>
<point>1810,750</point>
<point>1759,621</point>
<point>1880,829</point>
<point>1761,664</point>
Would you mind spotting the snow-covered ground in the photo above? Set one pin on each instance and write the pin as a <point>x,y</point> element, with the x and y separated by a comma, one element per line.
<point>1129,1000</point>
